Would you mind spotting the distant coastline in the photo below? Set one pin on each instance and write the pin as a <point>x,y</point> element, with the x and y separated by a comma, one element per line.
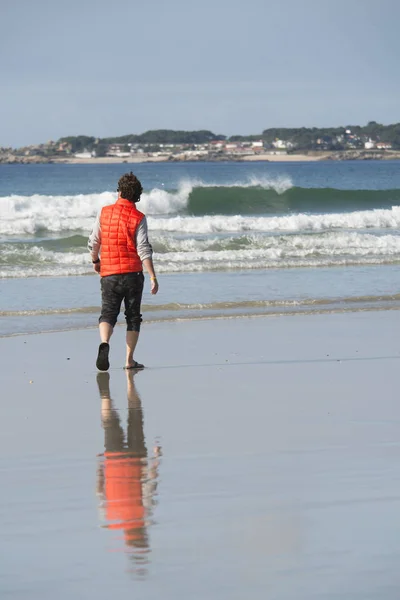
<point>373,141</point>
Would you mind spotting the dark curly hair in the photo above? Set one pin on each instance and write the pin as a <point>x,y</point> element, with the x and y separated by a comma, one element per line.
<point>129,187</point>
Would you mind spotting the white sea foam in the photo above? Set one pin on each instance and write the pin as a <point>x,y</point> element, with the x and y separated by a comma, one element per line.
<point>30,214</point>
<point>252,251</point>
<point>163,202</point>
<point>338,242</point>
<point>281,183</point>
<point>174,265</point>
<point>378,218</point>
<point>262,251</point>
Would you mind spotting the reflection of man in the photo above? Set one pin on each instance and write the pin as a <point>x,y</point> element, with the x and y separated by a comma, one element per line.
<point>126,481</point>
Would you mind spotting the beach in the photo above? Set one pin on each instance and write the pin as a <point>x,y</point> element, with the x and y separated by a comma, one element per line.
<point>268,461</point>
<point>267,157</point>
<point>257,454</point>
<point>313,156</point>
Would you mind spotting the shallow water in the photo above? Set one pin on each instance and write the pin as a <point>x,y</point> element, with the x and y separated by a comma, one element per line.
<point>287,238</point>
<point>46,304</point>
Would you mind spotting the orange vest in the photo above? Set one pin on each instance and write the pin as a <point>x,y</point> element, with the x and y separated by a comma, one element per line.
<point>118,223</point>
<point>124,496</point>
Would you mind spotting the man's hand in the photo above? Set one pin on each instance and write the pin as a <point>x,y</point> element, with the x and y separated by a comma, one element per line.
<point>96,267</point>
<point>154,285</point>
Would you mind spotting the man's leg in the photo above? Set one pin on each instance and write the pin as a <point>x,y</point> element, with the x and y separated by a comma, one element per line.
<point>111,298</point>
<point>133,299</point>
<point>106,331</point>
<point>131,342</point>
<point>135,433</point>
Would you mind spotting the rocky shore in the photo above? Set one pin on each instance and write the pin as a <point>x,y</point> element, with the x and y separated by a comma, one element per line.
<point>10,159</point>
<point>362,155</point>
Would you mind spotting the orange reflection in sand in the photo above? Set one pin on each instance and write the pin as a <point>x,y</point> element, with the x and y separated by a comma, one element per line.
<point>127,478</point>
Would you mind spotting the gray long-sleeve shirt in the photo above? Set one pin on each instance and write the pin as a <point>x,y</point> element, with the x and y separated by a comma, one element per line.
<point>143,246</point>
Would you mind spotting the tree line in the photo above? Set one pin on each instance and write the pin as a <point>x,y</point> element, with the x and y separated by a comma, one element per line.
<point>335,137</point>
<point>148,138</point>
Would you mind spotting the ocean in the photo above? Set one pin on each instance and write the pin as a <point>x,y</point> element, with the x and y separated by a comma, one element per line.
<point>229,239</point>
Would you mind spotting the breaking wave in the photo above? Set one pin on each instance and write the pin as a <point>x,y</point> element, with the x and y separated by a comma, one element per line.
<point>275,198</point>
<point>40,213</point>
<point>259,200</point>
<point>252,224</point>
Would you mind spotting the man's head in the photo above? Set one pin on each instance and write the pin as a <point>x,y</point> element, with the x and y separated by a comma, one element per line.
<point>129,187</point>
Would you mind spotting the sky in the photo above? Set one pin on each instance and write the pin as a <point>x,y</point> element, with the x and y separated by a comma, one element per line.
<point>106,68</point>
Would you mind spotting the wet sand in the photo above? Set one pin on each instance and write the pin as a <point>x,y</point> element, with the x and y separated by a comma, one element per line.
<point>268,450</point>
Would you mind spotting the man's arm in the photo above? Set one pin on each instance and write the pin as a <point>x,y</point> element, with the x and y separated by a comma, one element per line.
<point>145,252</point>
<point>94,244</point>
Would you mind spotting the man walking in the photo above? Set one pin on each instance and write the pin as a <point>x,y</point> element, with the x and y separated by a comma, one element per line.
<point>119,248</point>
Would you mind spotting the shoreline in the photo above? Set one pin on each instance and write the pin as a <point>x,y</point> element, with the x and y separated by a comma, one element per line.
<point>159,159</point>
<point>301,311</point>
<point>80,306</point>
<point>266,157</point>
<point>115,160</point>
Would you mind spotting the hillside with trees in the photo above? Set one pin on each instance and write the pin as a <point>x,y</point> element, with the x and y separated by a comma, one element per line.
<point>334,138</point>
<point>149,138</point>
